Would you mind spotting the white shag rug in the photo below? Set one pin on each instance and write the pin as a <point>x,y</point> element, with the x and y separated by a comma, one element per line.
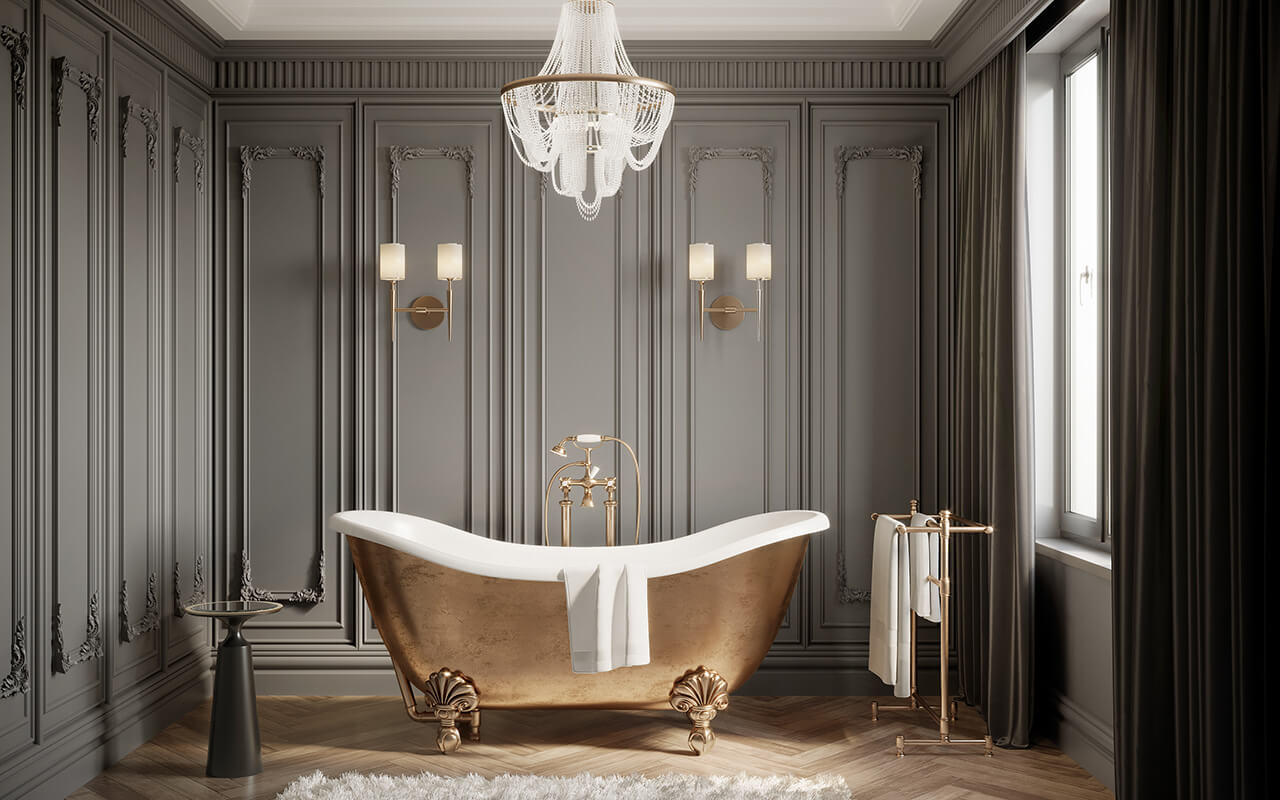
<point>354,786</point>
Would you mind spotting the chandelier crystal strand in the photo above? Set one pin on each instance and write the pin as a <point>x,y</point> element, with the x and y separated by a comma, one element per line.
<point>587,115</point>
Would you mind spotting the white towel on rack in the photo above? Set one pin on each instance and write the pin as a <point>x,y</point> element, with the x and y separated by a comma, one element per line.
<point>925,600</point>
<point>889,657</point>
<point>608,607</point>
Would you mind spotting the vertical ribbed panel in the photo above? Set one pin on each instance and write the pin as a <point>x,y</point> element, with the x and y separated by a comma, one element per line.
<point>410,74</point>
<point>184,50</point>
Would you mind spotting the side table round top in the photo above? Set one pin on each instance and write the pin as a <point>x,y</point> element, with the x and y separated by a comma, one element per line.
<point>233,608</point>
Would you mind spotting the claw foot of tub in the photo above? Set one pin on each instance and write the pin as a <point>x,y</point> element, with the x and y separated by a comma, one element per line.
<point>449,695</point>
<point>700,693</point>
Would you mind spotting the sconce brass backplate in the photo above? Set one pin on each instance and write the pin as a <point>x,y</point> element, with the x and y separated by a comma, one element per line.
<point>726,319</point>
<point>427,321</point>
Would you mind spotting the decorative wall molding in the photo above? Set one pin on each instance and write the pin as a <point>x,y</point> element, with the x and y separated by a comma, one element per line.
<point>168,32</point>
<point>252,153</point>
<point>418,69</point>
<point>198,147</point>
<point>89,83</point>
<point>913,156</point>
<point>151,617</point>
<point>762,154</point>
<point>980,31</point>
<point>150,120</point>
<point>198,592</point>
<point>249,154</point>
<point>312,595</point>
<point>18,43</point>
<point>89,649</point>
<point>18,681</point>
<point>399,154</point>
<point>848,594</point>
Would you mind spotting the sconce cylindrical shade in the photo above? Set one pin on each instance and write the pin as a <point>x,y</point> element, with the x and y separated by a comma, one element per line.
<point>391,262</point>
<point>759,262</point>
<point>449,262</point>
<point>702,262</point>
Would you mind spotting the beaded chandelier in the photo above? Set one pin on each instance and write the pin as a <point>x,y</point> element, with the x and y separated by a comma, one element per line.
<point>587,115</point>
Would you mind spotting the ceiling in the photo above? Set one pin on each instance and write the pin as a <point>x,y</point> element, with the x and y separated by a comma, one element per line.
<point>536,19</point>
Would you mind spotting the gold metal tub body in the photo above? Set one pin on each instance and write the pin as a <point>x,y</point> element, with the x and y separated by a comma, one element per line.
<point>511,637</point>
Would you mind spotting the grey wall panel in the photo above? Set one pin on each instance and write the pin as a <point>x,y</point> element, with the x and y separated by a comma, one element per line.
<point>16,609</point>
<point>74,348</point>
<point>138,369</point>
<point>186,153</point>
<point>733,177</point>
<point>288,182</point>
<point>877,175</point>
<point>430,177</point>
<point>580,365</point>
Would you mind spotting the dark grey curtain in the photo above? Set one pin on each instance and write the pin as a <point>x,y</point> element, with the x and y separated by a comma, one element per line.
<point>992,469</point>
<point>1196,118</point>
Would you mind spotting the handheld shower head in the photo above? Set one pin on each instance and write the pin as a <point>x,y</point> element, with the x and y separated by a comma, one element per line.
<point>559,450</point>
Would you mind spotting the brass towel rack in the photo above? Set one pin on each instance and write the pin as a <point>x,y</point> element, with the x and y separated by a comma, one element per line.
<point>947,525</point>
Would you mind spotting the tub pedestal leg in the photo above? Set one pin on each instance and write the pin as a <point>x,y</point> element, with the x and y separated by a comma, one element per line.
<point>700,693</point>
<point>449,695</point>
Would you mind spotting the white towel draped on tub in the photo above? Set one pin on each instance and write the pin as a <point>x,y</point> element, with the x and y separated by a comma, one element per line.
<point>890,646</point>
<point>608,616</point>
<point>924,562</point>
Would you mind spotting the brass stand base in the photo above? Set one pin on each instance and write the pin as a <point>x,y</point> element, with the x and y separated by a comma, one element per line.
<point>918,703</point>
<point>700,693</point>
<point>988,746</point>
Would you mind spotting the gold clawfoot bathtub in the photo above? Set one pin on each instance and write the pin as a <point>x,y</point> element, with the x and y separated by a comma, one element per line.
<point>715,601</point>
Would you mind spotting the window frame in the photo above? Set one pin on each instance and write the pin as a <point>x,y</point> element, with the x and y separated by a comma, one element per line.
<point>1087,530</point>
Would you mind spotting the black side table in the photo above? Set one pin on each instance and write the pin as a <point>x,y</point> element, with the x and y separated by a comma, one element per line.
<point>235,747</point>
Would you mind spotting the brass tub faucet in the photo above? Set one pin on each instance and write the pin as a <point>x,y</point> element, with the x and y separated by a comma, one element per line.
<point>590,480</point>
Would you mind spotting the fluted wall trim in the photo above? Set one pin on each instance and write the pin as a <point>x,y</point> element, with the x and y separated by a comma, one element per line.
<point>982,29</point>
<point>158,26</point>
<point>415,73</point>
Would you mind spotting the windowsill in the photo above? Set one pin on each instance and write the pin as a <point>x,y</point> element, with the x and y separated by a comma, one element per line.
<point>1073,554</point>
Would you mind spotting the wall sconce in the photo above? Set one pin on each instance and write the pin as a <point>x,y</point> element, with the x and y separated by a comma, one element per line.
<point>426,312</point>
<point>727,311</point>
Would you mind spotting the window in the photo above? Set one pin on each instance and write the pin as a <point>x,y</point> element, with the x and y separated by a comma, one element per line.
<point>1083,261</point>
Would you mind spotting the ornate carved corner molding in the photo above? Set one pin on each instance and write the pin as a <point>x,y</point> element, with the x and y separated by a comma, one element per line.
<point>198,147</point>
<point>912,154</point>
<point>399,154</point>
<point>89,83</point>
<point>312,595</point>
<point>151,617</point>
<point>701,694</point>
<point>18,681</point>
<point>150,120</point>
<point>250,154</point>
<point>847,593</point>
<point>762,154</point>
<point>198,593</point>
<point>89,649</point>
<point>18,43</point>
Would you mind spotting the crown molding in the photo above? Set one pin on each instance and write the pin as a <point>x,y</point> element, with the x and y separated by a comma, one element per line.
<point>166,30</point>
<point>980,30</point>
<point>526,50</point>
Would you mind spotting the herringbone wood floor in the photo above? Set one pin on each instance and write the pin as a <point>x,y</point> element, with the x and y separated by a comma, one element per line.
<point>758,735</point>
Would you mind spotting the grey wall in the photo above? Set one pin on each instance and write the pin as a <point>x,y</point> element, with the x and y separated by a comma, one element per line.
<point>564,326</point>
<point>104,356</point>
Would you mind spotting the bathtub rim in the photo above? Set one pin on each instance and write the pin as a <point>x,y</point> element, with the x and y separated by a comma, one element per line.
<point>493,558</point>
